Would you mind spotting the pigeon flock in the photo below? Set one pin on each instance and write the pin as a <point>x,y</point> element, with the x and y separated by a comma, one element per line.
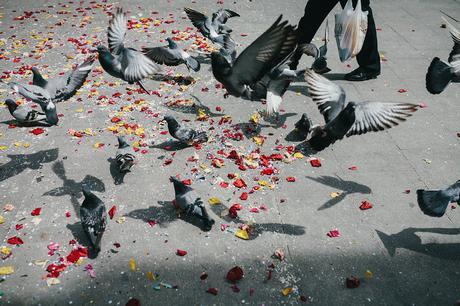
<point>260,72</point>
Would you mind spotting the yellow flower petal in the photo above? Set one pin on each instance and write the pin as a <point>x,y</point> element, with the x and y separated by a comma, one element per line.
<point>6,270</point>
<point>214,201</point>
<point>132,264</point>
<point>286,291</point>
<point>243,234</point>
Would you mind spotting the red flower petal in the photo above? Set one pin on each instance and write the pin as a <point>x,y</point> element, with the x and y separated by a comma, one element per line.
<point>75,255</point>
<point>353,168</point>
<point>152,223</point>
<point>239,183</point>
<point>181,252</point>
<point>352,282</point>
<point>402,90</point>
<point>36,211</point>
<point>133,302</point>
<point>37,131</point>
<point>290,179</point>
<point>187,182</point>
<point>334,233</point>
<point>204,276</point>
<point>213,291</point>
<point>233,211</point>
<point>112,212</point>
<point>315,163</point>
<point>15,240</point>
<point>365,205</point>
<point>19,226</point>
<point>244,196</point>
<point>235,274</point>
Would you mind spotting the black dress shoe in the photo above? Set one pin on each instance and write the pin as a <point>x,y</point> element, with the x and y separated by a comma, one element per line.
<point>360,74</point>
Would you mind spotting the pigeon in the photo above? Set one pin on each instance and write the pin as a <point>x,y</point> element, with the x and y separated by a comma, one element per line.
<point>434,202</point>
<point>39,96</point>
<point>124,158</point>
<point>440,73</point>
<point>184,135</point>
<point>64,87</point>
<point>212,28</point>
<point>267,51</point>
<point>354,118</point>
<point>320,63</point>
<point>120,62</point>
<point>23,113</point>
<point>171,55</point>
<point>188,201</point>
<point>303,126</point>
<point>93,217</point>
<point>228,50</point>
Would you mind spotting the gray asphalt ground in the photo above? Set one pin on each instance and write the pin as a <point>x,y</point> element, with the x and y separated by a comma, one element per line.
<point>413,259</point>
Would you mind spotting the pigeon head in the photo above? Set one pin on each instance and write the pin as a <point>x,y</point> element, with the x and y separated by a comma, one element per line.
<point>35,70</point>
<point>122,142</point>
<point>219,61</point>
<point>172,123</point>
<point>11,105</point>
<point>171,43</point>
<point>101,49</point>
<point>179,186</point>
<point>169,119</point>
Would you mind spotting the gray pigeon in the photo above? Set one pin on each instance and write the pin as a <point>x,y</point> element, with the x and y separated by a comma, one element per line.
<point>124,63</point>
<point>354,118</point>
<point>171,55</point>
<point>185,135</point>
<point>39,96</point>
<point>189,202</point>
<point>435,202</point>
<point>93,217</point>
<point>64,87</point>
<point>303,126</point>
<point>228,50</point>
<point>258,59</point>
<point>23,113</point>
<point>212,28</point>
<point>440,73</point>
<point>124,157</point>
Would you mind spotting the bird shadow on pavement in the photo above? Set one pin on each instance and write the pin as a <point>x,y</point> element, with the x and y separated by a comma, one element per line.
<point>170,145</point>
<point>334,76</point>
<point>73,188</point>
<point>279,120</point>
<point>302,89</point>
<point>25,124</point>
<point>345,187</point>
<point>163,215</point>
<point>118,177</point>
<point>256,229</point>
<point>295,136</point>
<point>192,108</point>
<point>79,235</point>
<point>407,239</point>
<point>20,162</point>
<point>179,80</point>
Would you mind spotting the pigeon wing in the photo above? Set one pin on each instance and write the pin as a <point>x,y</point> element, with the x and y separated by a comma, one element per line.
<point>378,116</point>
<point>329,97</point>
<point>455,33</point>
<point>199,20</point>
<point>185,134</point>
<point>74,81</point>
<point>265,52</point>
<point>162,55</point>
<point>136,66</point>
<point>117,31</point>
<point>222,15</point>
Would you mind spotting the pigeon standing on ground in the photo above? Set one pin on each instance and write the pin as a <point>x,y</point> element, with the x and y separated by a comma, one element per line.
<point>124,63</point>
<point>440,73</point>
<point>93,217</point>
<point>303,126</point>
<point>212,28</point>
<point>187,200</point>
<point>63,87</point>
<point>39,96</point>
<point>23,113</point>
<point>171,55</point>
<point>435,202</point>
<point>354,118</point>
<point>267,51</point>
<point>124,157</point>
<point>185,135</point>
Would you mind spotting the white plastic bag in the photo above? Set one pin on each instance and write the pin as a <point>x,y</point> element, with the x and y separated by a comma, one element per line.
<point>350,30</point>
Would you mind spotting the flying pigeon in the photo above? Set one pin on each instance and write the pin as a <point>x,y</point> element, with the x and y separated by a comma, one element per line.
<point>212,28</point>
<point>39,96</point>
<point>440,73</point>
<point>93,217</point>
<point>434,202</point>
<point>124,158</point>
<point>171,55</point>
<point>354,118</point>
<point>303,126</point>
<point>267,51</point>
<point>188,201</point>
<point>64,87</point>
<point>184,135</point>
<point>23,113</point>
<point>124,63</point>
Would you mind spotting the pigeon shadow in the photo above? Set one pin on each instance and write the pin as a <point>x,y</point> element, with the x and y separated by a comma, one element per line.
<point>172,79</point>
<point>346,188</point>
<point>26,124</point>
<point>170,145</point>
<point>249,129</point>
<point>163,215</point>
<point>73,188</point>
<point>279,120</point>
<point>334,76</point>
<point>20,162</point>
<point>258,229</point>
<point>193,108</point>
<point>407,239</point>
<point>118,177</point>
<point>303,90</point>
<point>79,235</point>
<point>295,136</point>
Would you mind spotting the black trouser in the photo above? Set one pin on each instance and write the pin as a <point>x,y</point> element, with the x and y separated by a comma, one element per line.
<point>315,13</point>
